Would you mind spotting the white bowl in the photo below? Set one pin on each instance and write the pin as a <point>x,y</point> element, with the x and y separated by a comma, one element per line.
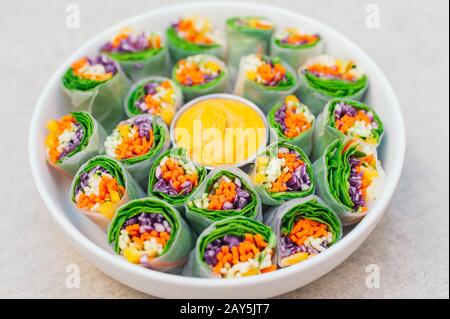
<point>91,242</point>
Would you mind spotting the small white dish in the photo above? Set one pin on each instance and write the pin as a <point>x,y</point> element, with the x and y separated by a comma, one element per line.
<point>90,241</point>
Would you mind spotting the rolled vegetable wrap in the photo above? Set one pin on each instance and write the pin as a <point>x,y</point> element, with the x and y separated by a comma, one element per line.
<point>151,233</point>
<point>226,191</point>
<point>282,172</point>
<point>192,35</point>
<point>295,46</point>
<point>72,140</point>
<point>154,95</point>
<point>323,78</point>
<point>137,142</point>
<point>199,75</point>
<point>291,121</point>
<point>346,118</point>
<point>265,80</point>
<point>140,54</point>
<point>173,177</point>
<point>232,248</point>
<point>349,178</point>
<point>247,35</point>
<point>100,186</point>
<point>97,85</point>
<point>304,228</point>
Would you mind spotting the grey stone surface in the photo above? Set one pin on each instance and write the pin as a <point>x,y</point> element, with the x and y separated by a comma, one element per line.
<point>410,244</point>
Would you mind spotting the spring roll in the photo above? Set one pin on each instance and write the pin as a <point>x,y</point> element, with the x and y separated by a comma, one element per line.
<point>173,177</point>
<point>226,191</point>
<point>295,46</point>
<point>346,118</point>
<point>247,35</point>
<point>137,142</point>
<point>304,228</point>
<point>199,75</point>
<point>282,172</point>
<point>97,85</point>
<point>192,35</point>
<point>72,140</point>
<point>349,178</point>
<point>100,186</point>
<point>324,77</point>
<point>265,80</point>
<point>140,54</point>
<point>232,248</point>
<point>154,95</point>
<point>291,121</point>
<point>151,233</point>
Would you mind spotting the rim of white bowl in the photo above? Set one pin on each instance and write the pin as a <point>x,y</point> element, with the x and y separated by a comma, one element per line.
<point>223,96</point>
<point>358,232</point>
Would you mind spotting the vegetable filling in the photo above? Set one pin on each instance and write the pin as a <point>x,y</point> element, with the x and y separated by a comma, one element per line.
<point>195,29</point>
<point>357,123</point>
<point>293,117</point>
<point>237,256</point>
<point>325,67</point>
<point>265,70</point>
<point>131,138</point>
<point>285,172</point>
<point>362,173</point>
<point>130,41</point>
<point>254,23</point>
<point>99,69</point>
<point>197,70</point>
<point>98,191</point>
<point>294,37</point>
<point>306,239</point>
<point>144,237</point>
<point>159,99</point>
<point>226,194</point>
<point>65,136</point>
<point>175,177</point>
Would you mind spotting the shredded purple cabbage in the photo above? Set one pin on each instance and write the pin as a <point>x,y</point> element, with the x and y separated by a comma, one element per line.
<point>355,181</point>
<point>133,43</point>
<point>108,64</point>
<point>214,247</point>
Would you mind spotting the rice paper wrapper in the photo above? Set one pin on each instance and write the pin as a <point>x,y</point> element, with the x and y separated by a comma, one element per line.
<point>324,134</point>
<point>310,210</point>
<point>179,200</point>
<point>157,65</point>
<point>200,219</point>
<point>304,140</point>
<point>220,85</point>
<point>139,167</point>
<point>296,56</point>
<point>238,225</point>
<point>135,93</point>
<point>245,41</point>
<point>275,199</point>
<point>104,101</point>
<point>70,165</point>
<point>316,100</point>
<point>263,96</point>
<point>181,239</point>
<point>324,189</point>
<point>180,49</point>
<point>132,188</point>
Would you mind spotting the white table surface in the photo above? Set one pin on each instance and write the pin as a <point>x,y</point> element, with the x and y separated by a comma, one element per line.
<point>411,243</point>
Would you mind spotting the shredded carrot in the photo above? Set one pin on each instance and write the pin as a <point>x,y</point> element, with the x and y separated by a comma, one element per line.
<point>78,69</point>
<point>56,128</point>
<point>173,172</point>
<point>248,248</point>
<point>305,228</point>
<point>292,163</point>
<point>225,192</point>
<point>333,70</point>
<point>109,191</point>
<point>135,145</point>
<point>139,238</point>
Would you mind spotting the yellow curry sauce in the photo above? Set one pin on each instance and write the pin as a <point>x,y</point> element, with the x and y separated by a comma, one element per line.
<point>220,131</point>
